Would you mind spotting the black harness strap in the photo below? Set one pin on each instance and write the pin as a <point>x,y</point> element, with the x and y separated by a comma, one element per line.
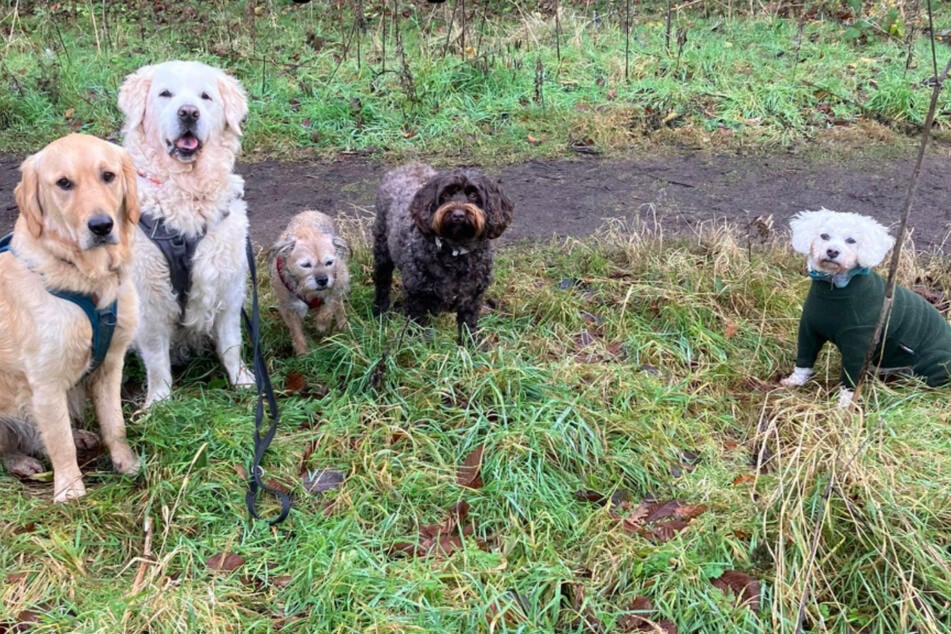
<point>256,483</point>
<point>178,250</point>
<point>102,320</point>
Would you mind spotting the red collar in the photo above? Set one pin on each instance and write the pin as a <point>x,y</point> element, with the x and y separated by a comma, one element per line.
<point>313,303</point>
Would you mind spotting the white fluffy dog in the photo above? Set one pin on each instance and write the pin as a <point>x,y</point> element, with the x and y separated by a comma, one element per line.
<point>309,273</point>
<point>845,300</point>
<point>183,128</point>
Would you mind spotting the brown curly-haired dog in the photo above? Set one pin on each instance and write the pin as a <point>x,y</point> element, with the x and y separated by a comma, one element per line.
<point>309,273</point>
<point>437,228</point>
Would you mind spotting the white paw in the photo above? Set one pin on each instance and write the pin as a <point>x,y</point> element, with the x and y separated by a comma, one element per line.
<point>156,395</point>
<point>124,460</point>
<point>245,378</point>
<point>845,397</point>
<point>797,378</point>
<point>66,489</point>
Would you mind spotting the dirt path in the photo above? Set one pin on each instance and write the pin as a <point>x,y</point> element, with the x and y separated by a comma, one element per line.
<point>574,197</point>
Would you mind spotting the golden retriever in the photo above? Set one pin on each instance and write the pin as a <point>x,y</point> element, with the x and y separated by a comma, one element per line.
<point>78,211</point>
<point>308,271</point>
<point>182,128</point>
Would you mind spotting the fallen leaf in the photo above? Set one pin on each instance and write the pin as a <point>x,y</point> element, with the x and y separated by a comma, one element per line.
<point>322,480</point>
<point>469,473</point>
<point>744,587</point>
<point>294,383</point>
<point>744,478</point>
<point>730,330</point>
<point>225,562</point>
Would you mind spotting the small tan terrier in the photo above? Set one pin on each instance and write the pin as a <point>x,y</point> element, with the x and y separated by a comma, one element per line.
<point>308,270</point>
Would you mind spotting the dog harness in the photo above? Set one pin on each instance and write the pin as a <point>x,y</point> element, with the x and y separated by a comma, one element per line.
<point>178,250</point>
<point>313,303</point>
<point>102,320</point>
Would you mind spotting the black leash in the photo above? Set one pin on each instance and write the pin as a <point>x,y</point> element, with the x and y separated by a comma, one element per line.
<point>263,383</point>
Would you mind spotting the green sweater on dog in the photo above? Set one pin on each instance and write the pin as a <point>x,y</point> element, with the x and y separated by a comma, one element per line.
<point>917,336</point>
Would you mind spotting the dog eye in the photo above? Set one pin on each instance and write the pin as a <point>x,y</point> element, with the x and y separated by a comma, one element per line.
<point>65,184</point>
<point>206,96</point>
<point>108,177</point>
<point>824,236</point>
<point>306,264</point>
<point>329,262</point>
<point>472,193</point>
<point>165,93</point>
<point>850,240</point>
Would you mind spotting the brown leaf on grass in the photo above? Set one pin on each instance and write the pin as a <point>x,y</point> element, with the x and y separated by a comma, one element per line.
<point>294,383</point>
<point>729,331</point>
<point>469,473</point>
<point>661,521</point>
<point>224,562</point>
<point>744,478</point>
<point>241,471</point>
<point>442,539</point>
<point>590,496</point>
<point>321,480</point>
<point>744,587</point>
<point>15,577</point>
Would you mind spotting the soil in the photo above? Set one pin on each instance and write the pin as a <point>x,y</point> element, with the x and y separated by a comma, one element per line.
<point>675,191</point>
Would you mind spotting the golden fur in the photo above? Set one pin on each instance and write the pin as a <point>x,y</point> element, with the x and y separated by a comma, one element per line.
<point>314,265</point>
<point>78,211</point>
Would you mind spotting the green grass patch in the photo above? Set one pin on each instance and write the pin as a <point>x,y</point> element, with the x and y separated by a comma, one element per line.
<point>620,369</point>
<point>497,85</point>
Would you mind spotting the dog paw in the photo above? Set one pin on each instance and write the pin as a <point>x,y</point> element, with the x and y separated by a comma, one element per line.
<point>157,395</point>
<point>124,459</point>
<point>845,398</point>
<point>22,465</point>
<point>66,489</point>
<point>245,378</point>
<point>797,378</point>
<point>85,440</point>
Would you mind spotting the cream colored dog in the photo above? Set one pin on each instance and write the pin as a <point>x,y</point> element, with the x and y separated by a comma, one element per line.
<point>183,128</point>
<point>74,235</point>
<point>308,271</point>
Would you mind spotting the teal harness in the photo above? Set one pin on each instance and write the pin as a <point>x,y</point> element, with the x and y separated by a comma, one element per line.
<point>102,320</point>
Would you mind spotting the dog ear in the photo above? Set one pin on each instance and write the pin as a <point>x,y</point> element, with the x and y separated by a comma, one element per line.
<point>133,95</point>
<point>803,233</point>
<point>875,243</point>
<point>27,195</point>
<point>282,246</point>
<point>234,100</point>
<point>425,203</point>
<point>130,188</point>
<point>498,207</point>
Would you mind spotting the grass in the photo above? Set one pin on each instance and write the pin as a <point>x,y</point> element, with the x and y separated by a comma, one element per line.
<point>515,84</point>
<point>622,371</point>
<point>648,376</point>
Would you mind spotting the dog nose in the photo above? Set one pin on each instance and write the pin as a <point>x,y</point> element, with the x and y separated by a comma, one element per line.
<point>188,113</point>
<point>321,280</point>
<point>459,215</point>
<point>100,224</point>
<point>832,253</point>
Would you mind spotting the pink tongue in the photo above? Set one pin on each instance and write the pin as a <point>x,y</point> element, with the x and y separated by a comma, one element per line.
<point>187,142</point>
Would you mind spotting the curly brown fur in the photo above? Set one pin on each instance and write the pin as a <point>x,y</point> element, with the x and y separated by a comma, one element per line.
<point>308,269</point>
<point>437,229</point>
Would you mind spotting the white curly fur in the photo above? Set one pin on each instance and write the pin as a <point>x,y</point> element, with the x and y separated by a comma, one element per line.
<point>836,241</point>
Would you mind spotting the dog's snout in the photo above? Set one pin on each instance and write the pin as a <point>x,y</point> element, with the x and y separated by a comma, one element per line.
<point>321,280</point>
<point>832,253</point>
<point>459,215</point>
<point>100,225</point>
<point>188,113</point>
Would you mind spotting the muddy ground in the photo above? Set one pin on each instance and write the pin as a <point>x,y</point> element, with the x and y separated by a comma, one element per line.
<point>554,198</point>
